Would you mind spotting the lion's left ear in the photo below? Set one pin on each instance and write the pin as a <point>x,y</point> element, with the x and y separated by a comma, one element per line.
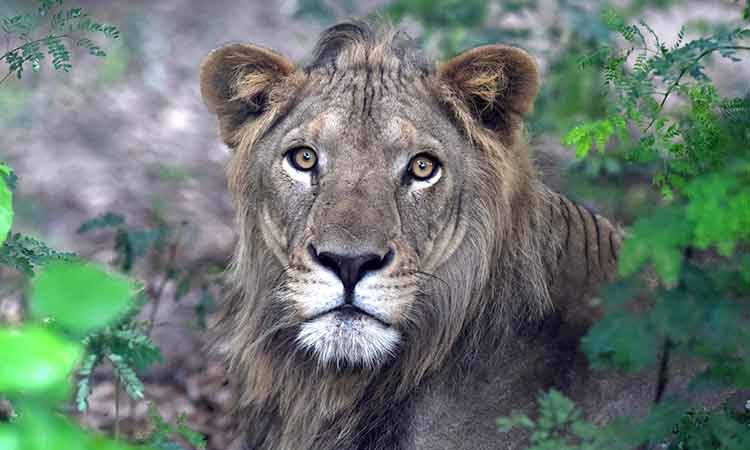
<point>498,83</point>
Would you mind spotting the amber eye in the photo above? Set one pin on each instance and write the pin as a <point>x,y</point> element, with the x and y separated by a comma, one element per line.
<point>423,167</point>
<point>303,158</point>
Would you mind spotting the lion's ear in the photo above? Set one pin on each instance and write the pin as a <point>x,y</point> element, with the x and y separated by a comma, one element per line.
<point>498,83</point>
<point>235,81</point>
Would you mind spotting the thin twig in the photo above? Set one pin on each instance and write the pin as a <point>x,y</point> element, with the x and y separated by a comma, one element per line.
<point>684,70</point>
<point>117,408</point>
<point>131,414</point>
<point>663,376</point>
<point>6,77</point>
<point>174,246</point>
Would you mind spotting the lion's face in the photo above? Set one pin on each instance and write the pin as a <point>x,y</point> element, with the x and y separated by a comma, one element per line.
<point>359,201</point>
<point>356,180</point>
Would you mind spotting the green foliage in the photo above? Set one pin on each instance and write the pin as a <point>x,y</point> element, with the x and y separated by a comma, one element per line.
<point>35,360</point>
<point>83,300</point>
<point>643,76</point>
<point>596,133</point>
<point>658,239</point>
<point>63,294</point>
<point>159,245</point>
<point>47,29</point>
<point>161,435</point>
<point>40,429</point>
<point>6,201</point>
<point>26,254</point>
<point>107,220</point>
<point>38,359</point>
<point>559,426</point>
<point>699,152</point>
<point>666,119</point>
<point>127,345</point>
<point>81,315</point>
<point>128,348</point>
<point>724,430</point>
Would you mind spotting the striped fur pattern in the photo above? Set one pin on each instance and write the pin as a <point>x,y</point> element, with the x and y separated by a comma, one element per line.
<point>489,268</point>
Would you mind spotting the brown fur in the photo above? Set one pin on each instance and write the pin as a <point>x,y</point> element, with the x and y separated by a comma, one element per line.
<point>500,292</point>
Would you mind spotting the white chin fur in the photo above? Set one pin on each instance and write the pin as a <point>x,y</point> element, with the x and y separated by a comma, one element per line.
<point>360,341</point>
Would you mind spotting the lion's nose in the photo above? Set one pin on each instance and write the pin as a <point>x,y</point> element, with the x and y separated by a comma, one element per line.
<point>351,268</point>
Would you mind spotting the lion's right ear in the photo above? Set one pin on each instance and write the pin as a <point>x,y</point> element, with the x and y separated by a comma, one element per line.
<point>235,82</point>
<point>498,83</point>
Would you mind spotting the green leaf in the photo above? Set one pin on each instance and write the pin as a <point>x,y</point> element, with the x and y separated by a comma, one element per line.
<point>80,297</point>
<point>127,376</point>
<point>195,438</point>
<point>183,286</point>
<point>596,133</point>
<point>83,387</point>
<point>9,438</point>
<point>621,340</point>
<point>40,428</point>
<point>658,239</point>
<point>35,360</point>
<point>505,424</point>
<point>161,431</point>
<point>25,253</point>
<point>106,220</point>
<point>6,202</point>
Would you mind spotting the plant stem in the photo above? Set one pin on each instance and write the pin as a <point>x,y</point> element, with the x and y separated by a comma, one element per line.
<point>5,77</point>
<point>663,376</point>
<point>131,414</point>
<point>117,408</point>
<point>160,290</point>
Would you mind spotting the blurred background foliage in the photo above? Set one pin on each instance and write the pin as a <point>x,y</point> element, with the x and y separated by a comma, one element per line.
<point>649,125</point>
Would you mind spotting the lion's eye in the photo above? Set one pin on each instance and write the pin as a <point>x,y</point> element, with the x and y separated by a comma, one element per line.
<point>423,167</point>
<point>303,159</point>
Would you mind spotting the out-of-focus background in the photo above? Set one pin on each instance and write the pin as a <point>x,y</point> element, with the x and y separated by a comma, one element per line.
<point>128,134</point>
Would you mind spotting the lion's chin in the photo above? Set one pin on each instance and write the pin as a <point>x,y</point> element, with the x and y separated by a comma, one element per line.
<point>346,340</point>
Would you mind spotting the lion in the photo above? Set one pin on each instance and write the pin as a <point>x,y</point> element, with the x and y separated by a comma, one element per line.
<point>402,276</point>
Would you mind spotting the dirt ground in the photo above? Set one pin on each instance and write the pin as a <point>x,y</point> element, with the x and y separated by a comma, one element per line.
<point>131,135</point>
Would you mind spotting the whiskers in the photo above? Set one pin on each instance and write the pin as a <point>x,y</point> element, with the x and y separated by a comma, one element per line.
<point>431,276</point>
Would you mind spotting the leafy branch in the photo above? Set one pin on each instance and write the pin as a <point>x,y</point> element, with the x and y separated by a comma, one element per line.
<point>684,71</point>
<point>686,259</point>
<point>55,24</point>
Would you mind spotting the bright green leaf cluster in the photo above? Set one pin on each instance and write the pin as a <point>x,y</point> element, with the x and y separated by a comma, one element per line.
<point>161,435</point>
<point>6,202</point>
<point>719,208</point>
<point>70,298</point>
<point>596,133</point>
<point>35,360</point>
<point>696,241</point>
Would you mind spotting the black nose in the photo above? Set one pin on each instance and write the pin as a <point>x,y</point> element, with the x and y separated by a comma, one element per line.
<point>350,269</point>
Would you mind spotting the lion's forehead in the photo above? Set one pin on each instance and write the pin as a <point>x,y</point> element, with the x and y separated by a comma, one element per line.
<point>331,124</point>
